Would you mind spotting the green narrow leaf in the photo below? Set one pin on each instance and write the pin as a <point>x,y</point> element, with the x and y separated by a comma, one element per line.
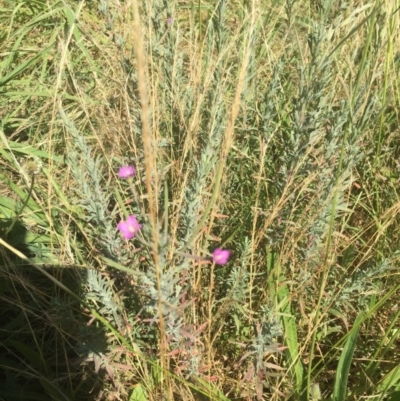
<point>392,379</point>
<point>73,24</point>
<point>36,212</point>
<point>207,390</point>
<point>26,64</point>
<point>40,19</point>
<point>7,207</point>
<point>139,394</point>
<point>32,151</point>
<point>118,266</point>
<point>55,393</point>
<point>291,338</point>
<point>342,372</point>
<point>121,203</point>
<point>33,357</point>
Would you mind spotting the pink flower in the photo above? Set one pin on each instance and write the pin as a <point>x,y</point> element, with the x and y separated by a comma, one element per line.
<point>221,256</point>
<point>130,227</point>
<point>126,172</point>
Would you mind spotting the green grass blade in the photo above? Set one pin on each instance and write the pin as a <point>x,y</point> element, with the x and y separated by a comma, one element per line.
<point>211,392</point>
<point>343,369</point>
<point>72,22</point>
<point>55,393</point>
<point>291,338</point>
<point>29,150</point>
<point>35,210</point>
<point>32,356</point>
<point>25,65</point>
<point>392,379</point>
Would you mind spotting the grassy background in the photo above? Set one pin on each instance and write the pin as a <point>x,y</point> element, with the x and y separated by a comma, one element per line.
<point>267,128</point>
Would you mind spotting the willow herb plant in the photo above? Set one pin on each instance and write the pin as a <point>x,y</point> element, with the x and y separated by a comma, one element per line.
<point>172,294</point>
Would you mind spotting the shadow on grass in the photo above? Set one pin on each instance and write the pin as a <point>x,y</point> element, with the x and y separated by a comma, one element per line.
<point>47,347</point>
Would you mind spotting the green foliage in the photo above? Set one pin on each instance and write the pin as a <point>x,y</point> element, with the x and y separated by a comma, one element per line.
<point>340,388</point>
<point>269,130</point>
<point>293,359</point>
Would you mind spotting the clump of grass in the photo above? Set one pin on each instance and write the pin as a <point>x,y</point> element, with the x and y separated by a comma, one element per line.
<point>267,131</point>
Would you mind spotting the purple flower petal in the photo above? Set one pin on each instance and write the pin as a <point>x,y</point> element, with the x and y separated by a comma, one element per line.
<point>129,228</point>
<point>126,172</point>
<point>221,256</point>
